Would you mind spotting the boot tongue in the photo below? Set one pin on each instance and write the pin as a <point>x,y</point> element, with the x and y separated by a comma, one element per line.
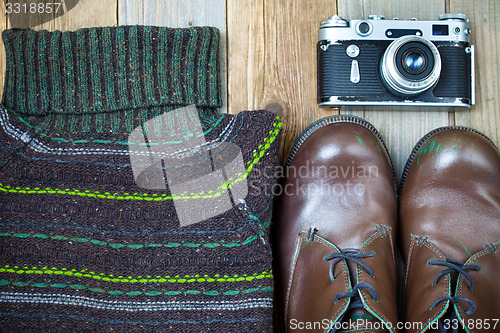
<point>360,320</point>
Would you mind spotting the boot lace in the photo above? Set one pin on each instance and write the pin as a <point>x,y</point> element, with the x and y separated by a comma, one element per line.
<point>453,266</point>
<point>354,256</point>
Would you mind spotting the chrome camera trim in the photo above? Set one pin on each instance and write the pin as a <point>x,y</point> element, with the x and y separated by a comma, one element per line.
<point>380,26</point>
<point>393,77</point>
<point>451,28</point>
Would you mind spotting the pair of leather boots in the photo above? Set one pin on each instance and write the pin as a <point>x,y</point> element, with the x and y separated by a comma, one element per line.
<point>353,255</point>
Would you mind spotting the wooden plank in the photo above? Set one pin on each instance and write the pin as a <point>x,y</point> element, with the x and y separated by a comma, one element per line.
<point>20,15</point>
<point>485,25</point>
<point>173,13</point>
<point>400,129</point>
<point>272,60</point>
<point>84,14</point>
<point>182,14</point>
<point>77,14</point>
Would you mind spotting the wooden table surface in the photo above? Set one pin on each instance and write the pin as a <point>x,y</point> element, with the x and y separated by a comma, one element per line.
<point>269,55</point>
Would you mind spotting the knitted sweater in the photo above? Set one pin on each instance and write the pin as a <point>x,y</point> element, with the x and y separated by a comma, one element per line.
<point>82,246</point>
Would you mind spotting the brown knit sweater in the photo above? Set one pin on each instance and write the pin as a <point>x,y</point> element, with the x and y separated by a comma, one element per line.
<point>83,247</point>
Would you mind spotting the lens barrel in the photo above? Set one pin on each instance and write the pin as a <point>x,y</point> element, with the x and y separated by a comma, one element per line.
<point>410,65</point>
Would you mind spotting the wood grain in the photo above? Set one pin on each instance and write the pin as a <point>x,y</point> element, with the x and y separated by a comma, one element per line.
<point>173,13</point>
<point>400,129</point>
<point>181,14</point>
<point>485,25</point>
<point>86,13</point>
<point>272,60</point>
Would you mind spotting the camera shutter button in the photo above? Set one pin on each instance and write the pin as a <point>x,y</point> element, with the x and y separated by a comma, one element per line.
<point>352,51</point>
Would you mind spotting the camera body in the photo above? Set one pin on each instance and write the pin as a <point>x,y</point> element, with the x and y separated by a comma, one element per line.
<point>378,62</point>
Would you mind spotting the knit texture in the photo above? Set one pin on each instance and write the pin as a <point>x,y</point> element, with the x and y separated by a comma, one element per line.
<point>109,79</point>
<point>82,247</point>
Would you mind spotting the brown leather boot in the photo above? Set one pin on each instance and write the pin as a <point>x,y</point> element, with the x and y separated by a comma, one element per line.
<point>336,221</point>
<point>450,228</point>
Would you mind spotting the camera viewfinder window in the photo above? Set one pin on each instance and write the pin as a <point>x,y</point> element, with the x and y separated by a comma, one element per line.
<point>439,30</point>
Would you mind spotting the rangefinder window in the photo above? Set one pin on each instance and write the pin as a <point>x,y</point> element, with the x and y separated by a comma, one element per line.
<point>440,30</point>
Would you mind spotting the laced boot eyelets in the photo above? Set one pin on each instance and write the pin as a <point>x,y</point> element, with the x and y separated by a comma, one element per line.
<point>451,267</point>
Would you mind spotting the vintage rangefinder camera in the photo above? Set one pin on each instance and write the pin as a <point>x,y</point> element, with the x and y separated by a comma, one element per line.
<point>395,62</point>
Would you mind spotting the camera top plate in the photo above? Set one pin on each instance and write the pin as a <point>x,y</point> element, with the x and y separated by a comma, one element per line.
<point>449,28</point>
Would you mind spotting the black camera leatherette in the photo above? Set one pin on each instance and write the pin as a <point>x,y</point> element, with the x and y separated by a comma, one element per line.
<point>456,68</point>
<point>334,71</point>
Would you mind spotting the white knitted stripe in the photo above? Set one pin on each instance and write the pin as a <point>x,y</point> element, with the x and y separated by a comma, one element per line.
<point>40,147</point>
<point>61,299</point>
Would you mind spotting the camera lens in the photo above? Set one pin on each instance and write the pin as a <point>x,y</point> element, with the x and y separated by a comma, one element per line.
<point>410,65</point>
<point>414,61</point>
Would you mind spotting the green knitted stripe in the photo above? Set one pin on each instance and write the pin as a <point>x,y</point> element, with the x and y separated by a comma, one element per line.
<point>133,66</point>
<point>20,78</point>
<point>198,278</point>
<point>148,60</point>
<point>47,121</point>
<point>81,67</point>
<point>211,123</point>
<point>202,59</point>
<point>68,71</point>
<point>121,61</point>
<point>190,76</point>
<point>213,68</point>
<point>89,71</point>
<point>81,287</point>
<point>74,122</point>
<point>30,68</point>
<point>114,245</point>
<point>94,57</point>
<point>56,87</point>
<point>100,119</point>
<point>158,126</point>
<point>162,55</point>
<point>114,122</point>
<point>258,154</point>
<point>126,196</point>
<point>43,71</point>
<point>107,66</point>
<point>175,67</point>
<point>10,67</point>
